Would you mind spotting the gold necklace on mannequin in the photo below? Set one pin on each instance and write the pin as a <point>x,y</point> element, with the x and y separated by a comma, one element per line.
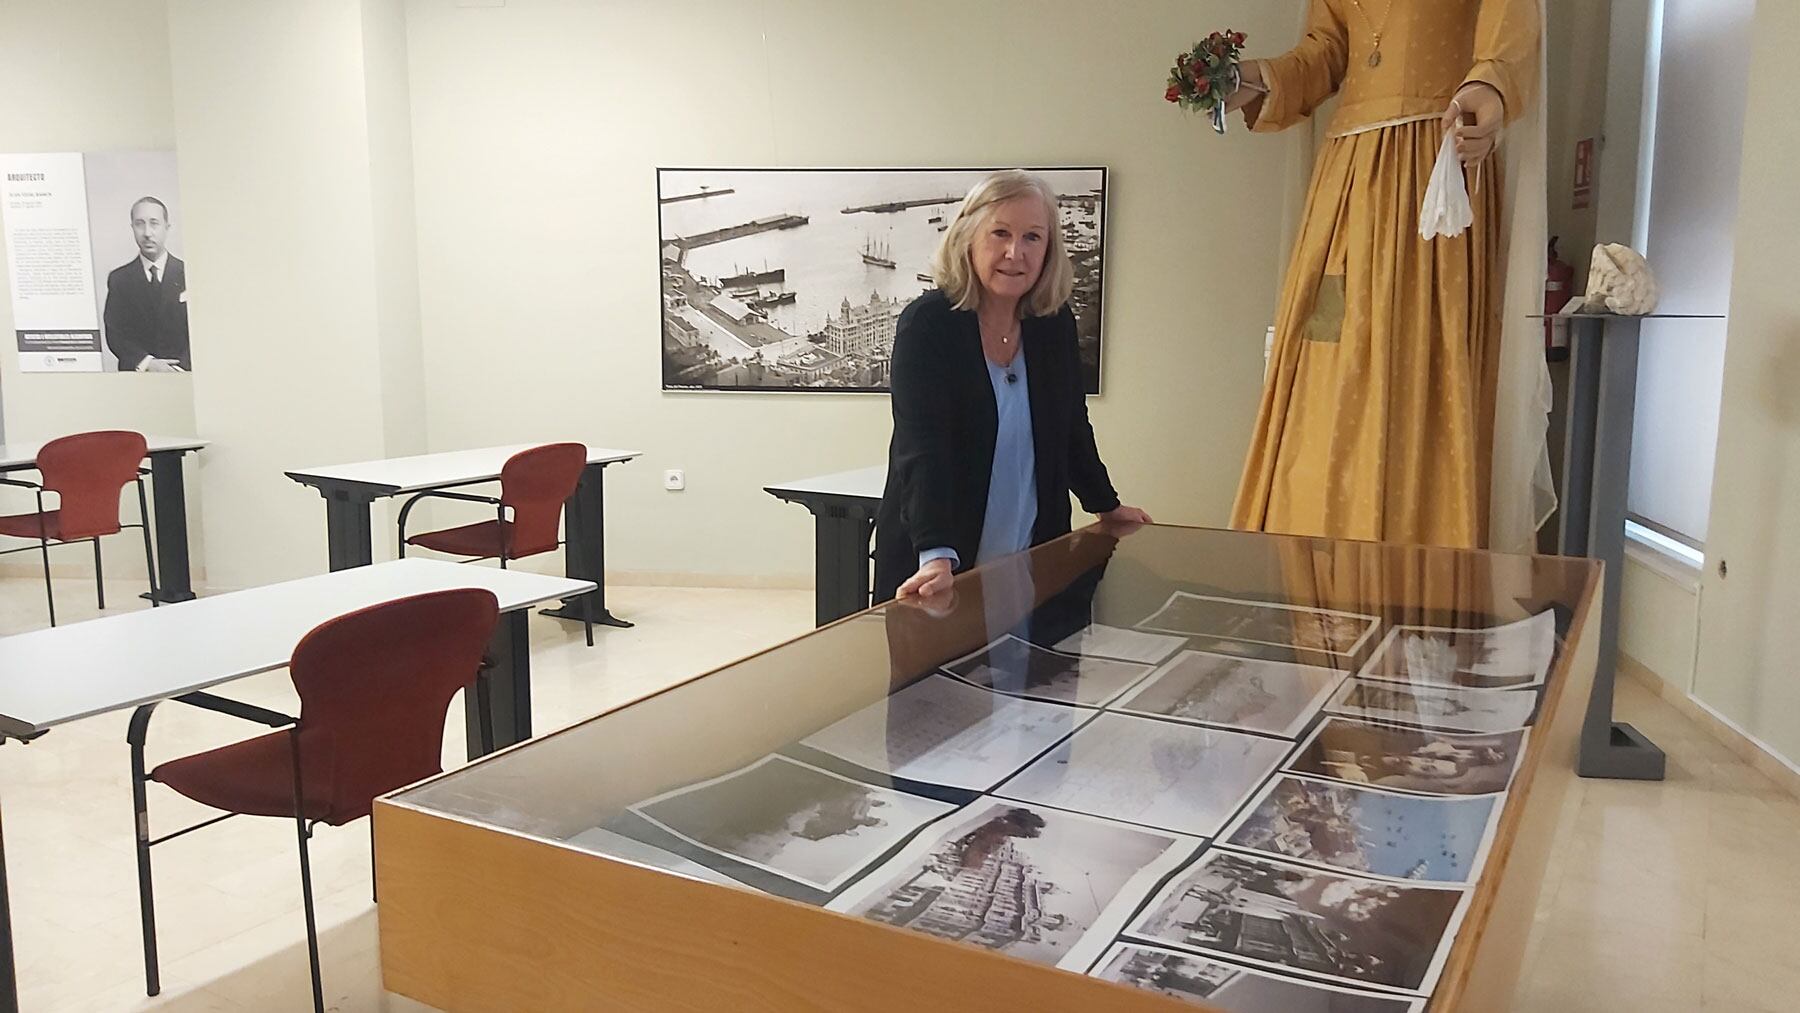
<point>1374,29</point>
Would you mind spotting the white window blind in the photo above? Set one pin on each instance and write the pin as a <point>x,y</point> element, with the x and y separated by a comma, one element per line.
<point>1690,203</point>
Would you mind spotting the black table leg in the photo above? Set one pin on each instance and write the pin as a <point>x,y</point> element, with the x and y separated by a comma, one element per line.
<point>9,979</point>
<point>840,561</point>
<point>508,691</point>
<point>1610,748</point>
<point>347,530</point>
<point>584,549</point>
<point>174,579</point>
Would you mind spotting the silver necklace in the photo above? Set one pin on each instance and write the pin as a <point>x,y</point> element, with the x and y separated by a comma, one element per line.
<point>1374,29</point>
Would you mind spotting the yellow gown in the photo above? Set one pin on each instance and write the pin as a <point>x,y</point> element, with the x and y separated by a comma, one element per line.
<point>1376,420</point>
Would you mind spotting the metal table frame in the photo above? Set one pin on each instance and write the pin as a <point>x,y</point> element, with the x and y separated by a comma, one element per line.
<point>349,531</point>
<point>495,718</point>
<point>843,525</point>
<point>168,496</point>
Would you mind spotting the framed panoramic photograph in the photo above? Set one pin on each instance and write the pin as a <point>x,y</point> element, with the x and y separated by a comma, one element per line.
<point>793,279</point>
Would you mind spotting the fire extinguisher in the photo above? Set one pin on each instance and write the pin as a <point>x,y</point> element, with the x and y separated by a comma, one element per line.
<point>1559,280</point>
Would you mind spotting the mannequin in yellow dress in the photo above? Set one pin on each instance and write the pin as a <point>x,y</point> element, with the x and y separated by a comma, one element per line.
<point>1377,416</point>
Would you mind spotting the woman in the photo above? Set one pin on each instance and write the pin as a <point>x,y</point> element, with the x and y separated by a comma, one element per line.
<point>1377,417</point>
<point>991,429</point>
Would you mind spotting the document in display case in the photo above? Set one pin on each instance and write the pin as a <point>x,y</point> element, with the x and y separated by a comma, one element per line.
<point>1139,769</point>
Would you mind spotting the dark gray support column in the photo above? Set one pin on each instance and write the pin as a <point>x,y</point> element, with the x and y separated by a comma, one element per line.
<point>1608,748</point>
<point>509,687</point>
<point>840,560</point>
<point>347,530</point>
<point>584,548</point>
<point>1585,335</point>
<point>9,977</point>
<point>169,492</point>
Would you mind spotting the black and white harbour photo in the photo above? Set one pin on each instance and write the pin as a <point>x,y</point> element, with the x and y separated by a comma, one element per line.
<point>793,279</point>
<point>1412,759</point>
<point>1012,665</point>
<point>1029,881</point>
<point>1463,710</point>
<point>1263,696</point>
<point>1235,988</point>
<point>1326,631</point>
<point>1512,656</point>
<point>1278,914</point>
<point>792,819</point>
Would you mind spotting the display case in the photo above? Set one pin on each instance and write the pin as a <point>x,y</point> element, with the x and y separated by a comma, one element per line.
<point>1152,769</point>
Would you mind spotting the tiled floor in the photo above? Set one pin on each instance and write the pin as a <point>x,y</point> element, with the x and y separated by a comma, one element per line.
<point>1661,897</point>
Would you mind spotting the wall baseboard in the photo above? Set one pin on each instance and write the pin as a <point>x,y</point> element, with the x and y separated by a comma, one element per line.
<point>126,566</point>
<point>1756,754</point>
<point>734,581</point>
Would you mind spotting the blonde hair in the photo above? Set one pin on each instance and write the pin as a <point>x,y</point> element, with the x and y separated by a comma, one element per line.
<point>953,271</point>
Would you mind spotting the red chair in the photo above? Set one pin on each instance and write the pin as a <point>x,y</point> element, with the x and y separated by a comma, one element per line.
<point>374,687</point>
<point>534,485</point>
<point>86,471</point>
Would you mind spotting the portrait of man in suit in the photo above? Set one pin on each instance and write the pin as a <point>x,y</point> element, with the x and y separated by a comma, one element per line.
<point>146,300</point>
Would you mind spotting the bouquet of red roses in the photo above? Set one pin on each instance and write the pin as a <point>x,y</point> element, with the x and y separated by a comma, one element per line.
<point>1206,75</point>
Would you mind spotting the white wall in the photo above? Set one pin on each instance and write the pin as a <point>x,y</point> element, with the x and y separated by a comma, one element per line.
<point>291,208</point>
<point>1576,33</point>
<point>538,125</point>
<point>87,75</point>
<point>1748,669</point>
<point>1659,614</point>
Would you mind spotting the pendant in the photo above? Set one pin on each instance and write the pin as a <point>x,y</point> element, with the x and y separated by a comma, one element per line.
<point>1375,58</point>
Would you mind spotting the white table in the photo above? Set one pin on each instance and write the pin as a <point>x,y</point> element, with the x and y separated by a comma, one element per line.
<point>843,505</point>
<point>54,676</point>
<point>169,493</point>
<point>350,489</point>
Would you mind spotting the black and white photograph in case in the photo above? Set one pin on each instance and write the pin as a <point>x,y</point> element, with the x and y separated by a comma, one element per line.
<point>1185,778</point>
<point>1097,641</point>
<point>1513,656</point>
<point>1381,833</point>
<point>140,268</point>
<point>944,731</point>
<point>1412,759</point>
<point>1012,665</point>
<point>602,841</point>
<point>1030,882</point>
<point>1236,989</point>
<point>793,279</point>
<point>792,819</point>
<point>1353,929</point>
<point>1263,622</point>
<point>1262,696</point>
<point>1459,710</point>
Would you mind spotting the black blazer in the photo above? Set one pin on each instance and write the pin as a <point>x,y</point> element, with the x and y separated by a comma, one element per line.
<point>945,423</point>
<point>142,319</point>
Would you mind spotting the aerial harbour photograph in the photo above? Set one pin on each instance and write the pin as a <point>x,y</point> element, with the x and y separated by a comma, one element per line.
<point>794,279</point>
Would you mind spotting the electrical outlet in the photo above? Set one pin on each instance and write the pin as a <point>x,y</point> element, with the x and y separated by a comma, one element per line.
<point>674,480</point>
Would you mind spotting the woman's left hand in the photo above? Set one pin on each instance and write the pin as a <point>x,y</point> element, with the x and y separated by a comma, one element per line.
<point>1123,514</point>
<point>1482,103</point>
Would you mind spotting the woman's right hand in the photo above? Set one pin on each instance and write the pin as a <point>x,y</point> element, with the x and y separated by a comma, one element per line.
<point>934,578</point>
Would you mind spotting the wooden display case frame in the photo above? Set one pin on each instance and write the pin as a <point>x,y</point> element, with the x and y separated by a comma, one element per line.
<point>476,918</point>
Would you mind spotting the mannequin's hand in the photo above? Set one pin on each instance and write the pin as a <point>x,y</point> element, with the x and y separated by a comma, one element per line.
<point>1476,114</point>
<point>934,578</point>
<point>1251,88</point>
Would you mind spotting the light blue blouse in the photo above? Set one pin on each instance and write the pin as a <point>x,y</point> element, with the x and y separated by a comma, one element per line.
<point>1012,488</point>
